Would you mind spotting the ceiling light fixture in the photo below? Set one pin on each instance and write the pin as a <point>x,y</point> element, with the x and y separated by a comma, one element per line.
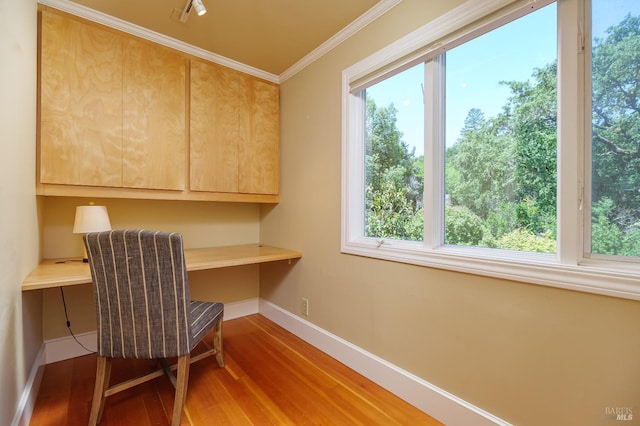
<point>192,4</point>
<point>199,7</point>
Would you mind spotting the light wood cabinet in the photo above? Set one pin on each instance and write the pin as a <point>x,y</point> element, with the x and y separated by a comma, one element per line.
<point>80,104</point>
<point>112,109</point>
<point>218,98</point>
<point>234,131</point>
<point>154,118</point>
<point>259,153</point>
<point>124,117</point>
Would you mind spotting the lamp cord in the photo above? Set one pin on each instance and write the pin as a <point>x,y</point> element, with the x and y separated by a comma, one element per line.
<point>66,315</point>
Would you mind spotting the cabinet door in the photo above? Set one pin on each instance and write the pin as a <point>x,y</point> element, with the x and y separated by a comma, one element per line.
<point>259,153</point>
<point>81,103</point>
<point>218,97</point>
<point>154,134</point>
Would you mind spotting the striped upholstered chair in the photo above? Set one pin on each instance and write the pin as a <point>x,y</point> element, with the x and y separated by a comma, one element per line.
<point>143,310</point>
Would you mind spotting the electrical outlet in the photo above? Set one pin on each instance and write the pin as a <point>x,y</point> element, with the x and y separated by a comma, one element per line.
<point>304,307</point>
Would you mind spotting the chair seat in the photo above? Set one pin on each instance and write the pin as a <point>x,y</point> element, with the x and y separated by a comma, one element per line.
<point>204,316</point>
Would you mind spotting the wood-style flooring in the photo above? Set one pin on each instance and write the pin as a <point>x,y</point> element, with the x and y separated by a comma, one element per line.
<point>271,378</point>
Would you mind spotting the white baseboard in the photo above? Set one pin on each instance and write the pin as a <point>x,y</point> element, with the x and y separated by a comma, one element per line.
<point>434,401</point>
<point>30,393</point>
<point>241,309</point>
<point>66,348</point>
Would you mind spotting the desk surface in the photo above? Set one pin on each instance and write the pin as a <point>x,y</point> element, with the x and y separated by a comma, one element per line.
<point>53,273</point>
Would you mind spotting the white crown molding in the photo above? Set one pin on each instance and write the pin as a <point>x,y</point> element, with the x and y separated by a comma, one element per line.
<point>138,31</point>
<point>101,18</point>
<point>368,17</point>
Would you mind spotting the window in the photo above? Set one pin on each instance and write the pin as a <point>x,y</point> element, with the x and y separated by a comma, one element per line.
<point>615,133</point>
<point>482,149</point>
<point>394,174</point>
<point>500,134</point>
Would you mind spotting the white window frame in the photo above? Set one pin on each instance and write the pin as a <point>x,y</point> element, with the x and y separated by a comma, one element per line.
<point>568,268</point>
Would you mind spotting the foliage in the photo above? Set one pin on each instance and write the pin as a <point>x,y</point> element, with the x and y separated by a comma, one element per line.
<point>607,236</point>
<point>616,135</point>
<point>483,166</point>
<point>462,226</point>
<point>532,110</point>
<point>394,179</point>
<point>390,213</point>
<point>523,240</point>
<point>504,169</point>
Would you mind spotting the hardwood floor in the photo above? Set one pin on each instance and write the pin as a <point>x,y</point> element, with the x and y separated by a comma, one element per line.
<point>271,378</point>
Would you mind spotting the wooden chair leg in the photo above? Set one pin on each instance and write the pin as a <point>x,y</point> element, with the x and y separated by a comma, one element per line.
<point>182,380</point>
<point>217,343</point>
<point>103,372</point>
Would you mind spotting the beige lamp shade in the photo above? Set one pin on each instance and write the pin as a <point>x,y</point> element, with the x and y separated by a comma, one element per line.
<point>91,219</point>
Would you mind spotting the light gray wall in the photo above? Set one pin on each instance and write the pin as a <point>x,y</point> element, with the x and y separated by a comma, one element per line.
<point>20,318</point>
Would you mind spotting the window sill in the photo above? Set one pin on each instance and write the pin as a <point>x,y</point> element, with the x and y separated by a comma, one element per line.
<point>616,279</point>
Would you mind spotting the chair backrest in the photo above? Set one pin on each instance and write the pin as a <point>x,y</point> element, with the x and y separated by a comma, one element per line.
<point>141,293</point>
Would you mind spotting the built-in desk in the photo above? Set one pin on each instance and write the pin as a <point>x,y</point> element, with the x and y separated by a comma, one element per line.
<point>65,272</point>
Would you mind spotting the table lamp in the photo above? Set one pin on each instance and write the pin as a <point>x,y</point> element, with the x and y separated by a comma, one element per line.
<point>90,219</point>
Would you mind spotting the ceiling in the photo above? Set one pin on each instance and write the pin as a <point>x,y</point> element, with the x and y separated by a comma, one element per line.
<point>270,35</point>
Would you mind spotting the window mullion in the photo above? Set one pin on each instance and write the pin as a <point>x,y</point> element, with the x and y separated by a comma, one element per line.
<point>584,13</point>
<point>434,148</point>
<point>571,132</point>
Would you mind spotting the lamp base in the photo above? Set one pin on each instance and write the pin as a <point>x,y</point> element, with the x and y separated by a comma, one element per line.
<point>85,255</point>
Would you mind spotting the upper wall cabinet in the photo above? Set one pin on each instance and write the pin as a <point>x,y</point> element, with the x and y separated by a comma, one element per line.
<point>112,109</point>
<point>154,117</point>
<point>234,131</point>
<point>259,154</point>
<point>80,103</point>
<point>115,120</point>
<point>219,99</point>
